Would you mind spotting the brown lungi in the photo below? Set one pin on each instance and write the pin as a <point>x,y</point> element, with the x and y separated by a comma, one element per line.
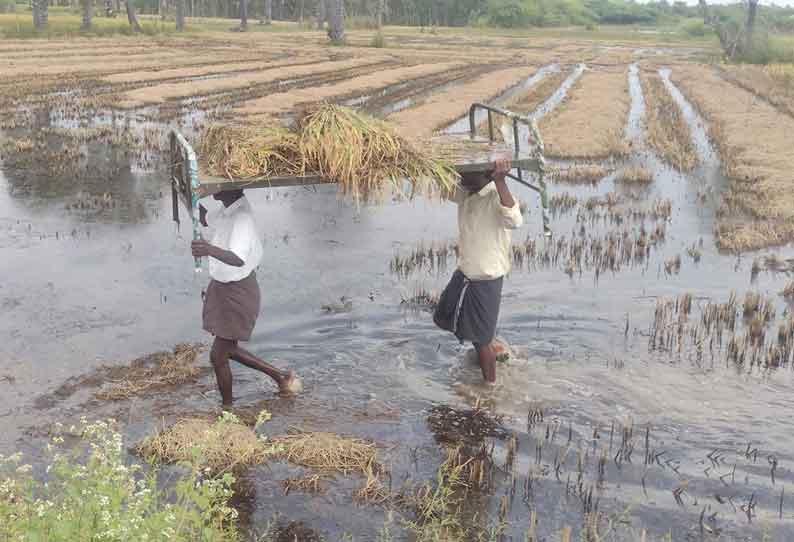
<point>231,308</point>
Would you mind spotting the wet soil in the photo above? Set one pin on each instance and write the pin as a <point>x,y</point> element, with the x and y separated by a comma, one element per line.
<point>660,439</point>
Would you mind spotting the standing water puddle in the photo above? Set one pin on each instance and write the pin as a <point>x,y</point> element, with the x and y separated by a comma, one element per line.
<point>461,125</point>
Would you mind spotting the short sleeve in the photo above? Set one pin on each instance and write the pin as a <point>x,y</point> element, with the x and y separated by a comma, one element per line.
<point>243,233</point>
<point>512,219</point>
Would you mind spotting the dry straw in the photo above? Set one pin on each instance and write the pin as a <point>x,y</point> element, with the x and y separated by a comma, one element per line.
<point>220,446</point>
<point>328,451</point>
<point>170,369</point>
<point>362,154</point>
<point>244,152</point>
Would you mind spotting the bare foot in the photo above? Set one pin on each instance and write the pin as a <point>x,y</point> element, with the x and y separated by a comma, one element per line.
<point>291,384</point>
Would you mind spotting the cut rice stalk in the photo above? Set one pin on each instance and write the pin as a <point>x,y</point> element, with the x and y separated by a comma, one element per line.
<point>244,152</point>
<point>362,154</point>
<point>222,445</point>
<point>367,158</point>
<point>328,451</point>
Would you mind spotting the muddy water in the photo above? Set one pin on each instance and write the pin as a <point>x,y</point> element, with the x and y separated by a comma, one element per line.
<point>461,125</point>
<point>91,286</point>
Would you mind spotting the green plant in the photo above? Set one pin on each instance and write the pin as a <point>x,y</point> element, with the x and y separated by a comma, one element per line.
<point>695,28</point>
<point>92,493</point>
<point>378,40</point>
<point>361,22</point>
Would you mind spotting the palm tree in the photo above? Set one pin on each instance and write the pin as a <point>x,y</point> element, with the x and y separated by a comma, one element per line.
<point>336,21</point>
<point>40,13</point>
<point>268,11</point>
<point>132,17</point>
<point>88,13</point>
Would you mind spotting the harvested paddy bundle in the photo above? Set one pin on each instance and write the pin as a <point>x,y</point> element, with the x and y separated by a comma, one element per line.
<point>367,158</point>
<point>362,154</point>
<point>220,446</point>
<point>244,152</point>
<point>328,451</point>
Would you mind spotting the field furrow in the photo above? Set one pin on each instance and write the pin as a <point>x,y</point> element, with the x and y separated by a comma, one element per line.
<point>591,120</point>
<point>755,145</point>
<point>667,131</point>
<point>445,107</point>
<point>169,91</point>
<point>283,102</point>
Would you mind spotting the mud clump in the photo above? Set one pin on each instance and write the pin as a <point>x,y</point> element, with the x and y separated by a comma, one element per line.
<point>467,426</point>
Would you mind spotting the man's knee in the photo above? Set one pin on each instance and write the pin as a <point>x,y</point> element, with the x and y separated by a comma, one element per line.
<point>221,348</point>
<point>483,348</point>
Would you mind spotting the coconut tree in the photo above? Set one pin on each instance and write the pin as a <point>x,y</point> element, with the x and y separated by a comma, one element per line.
<point>88,13</point>
<point>336,21</point>
<point>180,15</point>
<point>40,13</point>
<point>131,16</point>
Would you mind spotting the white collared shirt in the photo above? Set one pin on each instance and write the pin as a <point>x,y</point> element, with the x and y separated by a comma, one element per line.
<point>484,226</point>
<point>235,230</point>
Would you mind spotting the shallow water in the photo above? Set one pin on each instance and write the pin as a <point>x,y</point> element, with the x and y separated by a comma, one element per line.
<point>91,286</point>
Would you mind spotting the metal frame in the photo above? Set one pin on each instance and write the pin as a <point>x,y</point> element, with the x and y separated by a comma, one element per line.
<point>537,164</point>
<point>185,184</point>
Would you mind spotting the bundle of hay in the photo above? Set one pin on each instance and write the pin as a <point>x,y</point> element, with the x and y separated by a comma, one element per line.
<point>328,451</point>
<point>244,152</point>
<point>362,154</point>
<point>220,446</point>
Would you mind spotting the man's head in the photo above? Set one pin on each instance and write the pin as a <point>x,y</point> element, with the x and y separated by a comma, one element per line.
<point>227,197</point>
<point>474,182</point>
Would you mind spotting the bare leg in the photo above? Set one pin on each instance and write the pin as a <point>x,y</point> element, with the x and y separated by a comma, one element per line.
<point>287,381</point>
<point>487,357</point>
<point>219,355</point>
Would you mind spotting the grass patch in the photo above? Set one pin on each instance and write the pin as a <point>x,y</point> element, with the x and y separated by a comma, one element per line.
<point>328,451</point>
<point>749,236</point>
<point>378,41</point>
<point>774,83</point>
<point>91,493</point>
<point>222,445</point>
<point>20,26</point>
<point>634,175</point>
<point>579,174</point>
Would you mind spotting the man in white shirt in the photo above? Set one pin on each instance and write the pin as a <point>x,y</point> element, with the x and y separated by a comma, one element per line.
<point>469,306</point>
<point>231,303</point>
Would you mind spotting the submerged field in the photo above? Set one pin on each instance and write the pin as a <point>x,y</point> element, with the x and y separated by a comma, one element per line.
<point>648,391</point>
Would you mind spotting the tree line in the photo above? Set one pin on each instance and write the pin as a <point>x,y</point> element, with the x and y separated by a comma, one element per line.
<point>734,24</point>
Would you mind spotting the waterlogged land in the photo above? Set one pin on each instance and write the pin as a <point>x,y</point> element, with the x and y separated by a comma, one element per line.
<point>651,372</point>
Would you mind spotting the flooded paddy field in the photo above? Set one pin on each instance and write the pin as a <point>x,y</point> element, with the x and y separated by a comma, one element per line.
<point>647,393</point>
